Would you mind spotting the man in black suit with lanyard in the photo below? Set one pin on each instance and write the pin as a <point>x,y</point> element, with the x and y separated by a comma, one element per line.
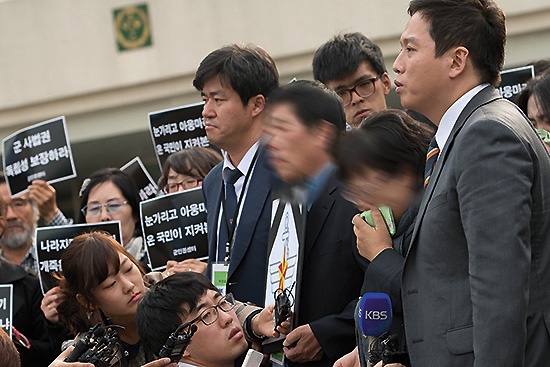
<point>234,82</point>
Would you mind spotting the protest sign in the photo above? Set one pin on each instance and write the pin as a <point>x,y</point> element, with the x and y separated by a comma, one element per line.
<point>178,128</point>
<point>513,81</point>
<point>40,151</point>
<point>147,188</point>
<point>6,307</point>
<point>174,227</point>
<point>285,249</point>
<point>52,241</point>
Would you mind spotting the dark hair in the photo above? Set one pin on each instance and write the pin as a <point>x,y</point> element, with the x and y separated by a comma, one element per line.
<point>342,55</point>
<point>121,180</point>
<point>541,92</point>
<point>85,264</point>
<point>9,356</point>
<point>390,141</point>
<point>166,305</point>
<point>478,25</point>
<point>312,102</point>
<point>248,69</point>
<point>539,87</point>
<point>195,162</point>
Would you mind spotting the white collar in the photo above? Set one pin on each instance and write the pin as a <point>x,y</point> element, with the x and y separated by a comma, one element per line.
<point>448,120</point>
<point>244,164</point>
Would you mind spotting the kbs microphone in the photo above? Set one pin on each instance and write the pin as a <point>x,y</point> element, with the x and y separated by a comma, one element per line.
<point>375,314</point>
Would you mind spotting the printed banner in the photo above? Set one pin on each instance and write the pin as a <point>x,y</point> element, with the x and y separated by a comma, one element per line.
<point>147,188</point>
<point>174,227</point>
<point>52,241</point>
<point>6,307</point>
<point>41,151</point>
<point>514,81</point>
<point>176,129</point>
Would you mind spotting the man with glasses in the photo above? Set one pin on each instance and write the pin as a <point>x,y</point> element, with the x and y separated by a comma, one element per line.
<point>22,215</point>
<point>352,65</point>
<point>190,297</point>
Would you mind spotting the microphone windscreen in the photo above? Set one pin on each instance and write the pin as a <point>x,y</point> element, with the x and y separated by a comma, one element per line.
<point>375,314</point>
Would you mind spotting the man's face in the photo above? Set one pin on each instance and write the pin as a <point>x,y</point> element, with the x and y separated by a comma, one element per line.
<point>227,122</point>
<point>361,107</point>
<point>20,220</point>
<point>422,78</point>
<point>218,344</point>
<point>293,148</point>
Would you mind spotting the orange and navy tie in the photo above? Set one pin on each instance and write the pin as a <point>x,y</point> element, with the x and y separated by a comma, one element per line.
<point>431,159</point>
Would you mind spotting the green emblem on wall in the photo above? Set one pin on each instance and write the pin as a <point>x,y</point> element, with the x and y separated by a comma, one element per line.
<point>132,27</point>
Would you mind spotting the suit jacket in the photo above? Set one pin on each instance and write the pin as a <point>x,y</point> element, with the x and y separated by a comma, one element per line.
<point>27,315</point>
<point>332,274</point>
<point>476,281</point>
<point>248,264</point>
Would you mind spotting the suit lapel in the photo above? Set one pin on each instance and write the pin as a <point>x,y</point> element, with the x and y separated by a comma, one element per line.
<point>213,207</point>
<point>486,95</point>
<point>256,198</point>
<point>318,214</point>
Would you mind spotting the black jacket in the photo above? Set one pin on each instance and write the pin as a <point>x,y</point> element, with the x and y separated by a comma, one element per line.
<point>27,315</point>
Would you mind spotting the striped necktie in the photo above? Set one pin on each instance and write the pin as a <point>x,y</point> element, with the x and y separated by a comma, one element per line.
<point>431,159</point>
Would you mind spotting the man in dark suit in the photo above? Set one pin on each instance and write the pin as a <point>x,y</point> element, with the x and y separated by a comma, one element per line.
<point>303,124</point>
<point>476,277</point>
<point>234,82</point>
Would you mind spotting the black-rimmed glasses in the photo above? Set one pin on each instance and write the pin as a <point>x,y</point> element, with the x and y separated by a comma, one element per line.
<point>210,314</point>
<point>365,88</point>
<point>187,184</point>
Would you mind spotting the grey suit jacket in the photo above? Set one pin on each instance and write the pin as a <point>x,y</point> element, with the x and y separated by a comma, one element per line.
<point>476,281</point>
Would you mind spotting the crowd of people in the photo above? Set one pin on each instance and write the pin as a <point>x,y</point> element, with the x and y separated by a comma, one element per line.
<point>464,172</point>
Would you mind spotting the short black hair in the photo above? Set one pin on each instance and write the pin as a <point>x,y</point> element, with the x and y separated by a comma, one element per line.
<point>478,25</point>
<point>248,69</point>
<point>541,92</point>
<point>342,55</point>
<point>390,141</point>
<point>166,304</point>
<point>312,102</point>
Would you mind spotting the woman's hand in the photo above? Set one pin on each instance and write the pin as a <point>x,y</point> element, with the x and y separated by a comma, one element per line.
<point>49,304</point>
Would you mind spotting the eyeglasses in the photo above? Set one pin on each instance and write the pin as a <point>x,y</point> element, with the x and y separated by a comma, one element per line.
<point>17,205</point>
<point>112,206</point>
<point>209,315</point>
<point>185,185</point>
<point>365,88</point>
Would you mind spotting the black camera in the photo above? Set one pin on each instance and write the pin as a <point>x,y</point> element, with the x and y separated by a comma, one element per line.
<point>97,346</point>
<point>177,342</point>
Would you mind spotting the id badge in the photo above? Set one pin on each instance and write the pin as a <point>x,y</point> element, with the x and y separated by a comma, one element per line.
<point>219,276</point>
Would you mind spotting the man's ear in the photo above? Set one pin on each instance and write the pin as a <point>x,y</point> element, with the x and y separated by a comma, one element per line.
<point>459,59</point>
<point>85,302</point>
<point>386,82</point>
<point>257,104</point>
